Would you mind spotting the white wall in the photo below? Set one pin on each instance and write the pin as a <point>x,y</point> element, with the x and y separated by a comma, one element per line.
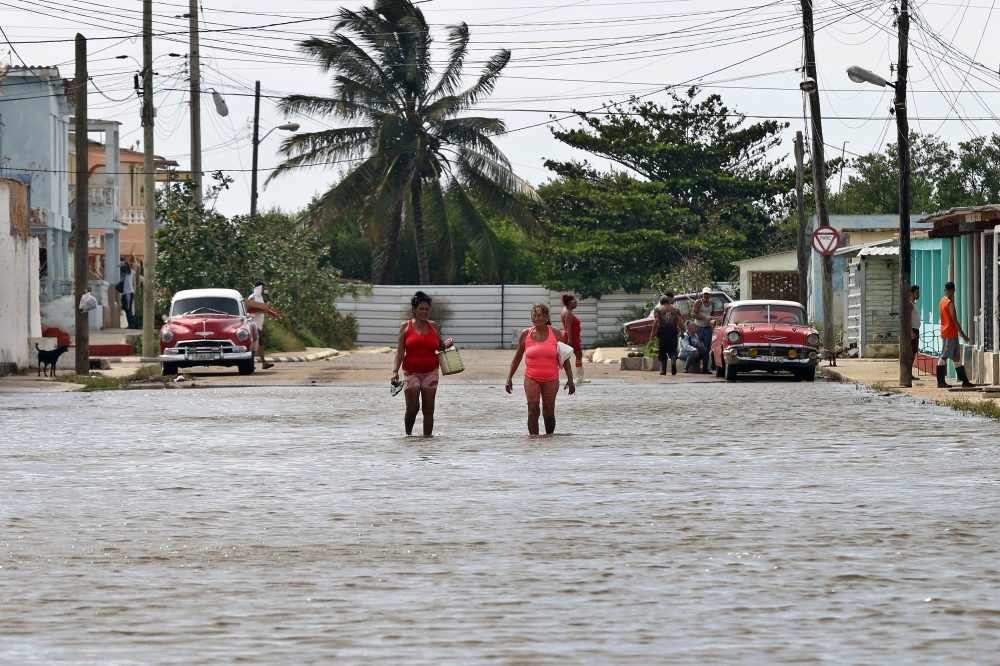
<point>18,285</point>
<point>471,314</point>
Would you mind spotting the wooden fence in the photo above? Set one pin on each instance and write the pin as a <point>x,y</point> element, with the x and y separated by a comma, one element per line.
<point>481,316</point>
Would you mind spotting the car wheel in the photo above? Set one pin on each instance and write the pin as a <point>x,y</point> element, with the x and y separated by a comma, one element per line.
<point>730,371</point>
<point>719,371</point>
<point>807,375</point>
<point>168,369</point>
<point>246,367</point>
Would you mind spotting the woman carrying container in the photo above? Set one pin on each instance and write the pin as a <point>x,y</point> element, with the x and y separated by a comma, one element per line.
<point>539,348</point>
<point>419,341</point>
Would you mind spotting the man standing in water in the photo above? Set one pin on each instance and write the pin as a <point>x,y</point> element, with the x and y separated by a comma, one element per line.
<point>701,312</point>
<point>667,328</point>
<point>950,330</point>
<point>258,318</point>
<point>914,321</point>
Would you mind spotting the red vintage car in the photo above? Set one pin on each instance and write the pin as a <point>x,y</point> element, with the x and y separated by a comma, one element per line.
<point>765,335</point>
<point>637,332</point>
<point>208,327</point>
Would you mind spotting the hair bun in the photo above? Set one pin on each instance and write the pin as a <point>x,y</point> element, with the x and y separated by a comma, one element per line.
<point>418,298</point>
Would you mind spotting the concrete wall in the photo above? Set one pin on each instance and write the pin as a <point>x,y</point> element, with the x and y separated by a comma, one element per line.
<point>18,285</point>
<point>472,314</point>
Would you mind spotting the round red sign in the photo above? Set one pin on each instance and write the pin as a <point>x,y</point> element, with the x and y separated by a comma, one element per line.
<point>825,240</point>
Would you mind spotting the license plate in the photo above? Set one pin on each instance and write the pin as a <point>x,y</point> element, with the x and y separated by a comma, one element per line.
<point>203,357</point>
<point>771,359</point>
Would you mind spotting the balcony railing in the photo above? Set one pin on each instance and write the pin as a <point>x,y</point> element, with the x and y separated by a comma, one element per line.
<point>132,215</point>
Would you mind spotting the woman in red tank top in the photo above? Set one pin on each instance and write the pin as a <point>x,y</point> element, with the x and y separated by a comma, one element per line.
<point>539,347</point>
<point>418,344</point>
<point>571,333</point>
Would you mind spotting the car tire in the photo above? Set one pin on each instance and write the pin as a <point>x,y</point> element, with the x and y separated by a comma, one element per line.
<point>729,371</point>
<point>246,367</point>
<point>719,370</point>
<point>807,375</point>
<point>168,369</point>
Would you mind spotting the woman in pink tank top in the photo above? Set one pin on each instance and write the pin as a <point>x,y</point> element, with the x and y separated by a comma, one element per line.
<point>539,348</point>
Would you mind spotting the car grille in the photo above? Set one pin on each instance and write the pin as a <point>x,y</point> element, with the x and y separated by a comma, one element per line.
<point>206,346</point>
<point>777,350</point>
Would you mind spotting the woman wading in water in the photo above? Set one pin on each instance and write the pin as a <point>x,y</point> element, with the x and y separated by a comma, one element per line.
<point>539,348</point>
<point>419,341</point>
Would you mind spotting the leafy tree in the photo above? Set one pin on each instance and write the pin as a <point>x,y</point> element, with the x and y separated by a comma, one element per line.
<point>408,136</point>
<point>708,191</point>
<point>213,251</point>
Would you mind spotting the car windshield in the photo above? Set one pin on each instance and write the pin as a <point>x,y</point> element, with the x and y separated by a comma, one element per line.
<point>685,304</point>
<point>767,314</point>
<point>219,305</point>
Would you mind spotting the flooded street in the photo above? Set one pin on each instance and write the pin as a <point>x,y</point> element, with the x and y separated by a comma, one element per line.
<point>686,524</point>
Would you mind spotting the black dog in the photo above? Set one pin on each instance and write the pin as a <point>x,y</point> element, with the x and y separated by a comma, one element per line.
<point>49,357</point>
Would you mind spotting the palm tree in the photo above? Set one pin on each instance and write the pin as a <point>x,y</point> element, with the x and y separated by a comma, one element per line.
<point>404,132</point>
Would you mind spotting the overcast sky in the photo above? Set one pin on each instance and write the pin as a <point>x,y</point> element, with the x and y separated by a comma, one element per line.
<point>566,55</point>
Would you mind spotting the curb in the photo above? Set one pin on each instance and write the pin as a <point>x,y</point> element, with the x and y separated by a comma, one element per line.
<point>830,373</point>
<point>315,356</point>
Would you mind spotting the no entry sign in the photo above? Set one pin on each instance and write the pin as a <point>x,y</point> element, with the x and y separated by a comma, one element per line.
<point>825,240</point>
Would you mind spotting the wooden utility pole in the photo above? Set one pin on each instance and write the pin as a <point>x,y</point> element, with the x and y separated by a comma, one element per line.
<point>803,248</point>
<point>811,87</point>
<point>256,140</point>
<point>81,233</point>
<point>903,143</point>
<point>149,341</point>
<point>194,65</point>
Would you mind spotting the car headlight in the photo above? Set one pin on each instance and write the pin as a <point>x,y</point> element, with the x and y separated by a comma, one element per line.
<point>242,335</point>
<point>167,336</point>
<point>733,337</point>
<point>812,339</point>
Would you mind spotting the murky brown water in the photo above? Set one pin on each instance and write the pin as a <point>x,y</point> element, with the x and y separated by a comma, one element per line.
<point>295,526</point>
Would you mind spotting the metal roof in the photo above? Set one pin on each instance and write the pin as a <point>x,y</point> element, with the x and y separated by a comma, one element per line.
<point>880,251</point>
<point>961,211</point>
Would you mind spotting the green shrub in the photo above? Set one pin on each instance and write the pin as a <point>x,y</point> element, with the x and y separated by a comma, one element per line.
<point>92,382</point>
<point>277,338</point>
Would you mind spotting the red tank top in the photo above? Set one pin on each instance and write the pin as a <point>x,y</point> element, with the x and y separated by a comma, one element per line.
<point>421,350</point>
<point>572,336</point>
<point>948,328</point>
<point>541,359</point>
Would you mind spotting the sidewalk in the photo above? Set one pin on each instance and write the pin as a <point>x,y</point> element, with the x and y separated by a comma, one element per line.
<point>885,374</point>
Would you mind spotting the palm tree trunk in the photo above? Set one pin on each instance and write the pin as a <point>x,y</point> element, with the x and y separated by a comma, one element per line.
<point>384,262</point>
<point>418,231</point>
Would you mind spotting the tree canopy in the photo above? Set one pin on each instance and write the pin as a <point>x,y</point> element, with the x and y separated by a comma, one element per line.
<point>402,121</point>
<point>704,189</point>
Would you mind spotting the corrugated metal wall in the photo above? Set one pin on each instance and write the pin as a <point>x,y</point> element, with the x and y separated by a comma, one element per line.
<point>472,314</point>
<point>881,303</point>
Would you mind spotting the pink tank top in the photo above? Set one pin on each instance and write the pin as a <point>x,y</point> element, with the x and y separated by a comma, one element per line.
<point>541,359</point>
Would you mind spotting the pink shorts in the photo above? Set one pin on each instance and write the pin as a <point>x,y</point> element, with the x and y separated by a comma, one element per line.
<point>547,391</point>
<point>422,380</point>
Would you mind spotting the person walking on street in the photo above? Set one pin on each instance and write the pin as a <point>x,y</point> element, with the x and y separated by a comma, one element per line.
<point>667,328</point>
<point>538,346</point>
<point>416,350</point>
<point>950,330</point>
<point>914,321</point>
<point>258,318</point>
<point>571,333</point>
<point>128,293</point>
<point>701,312</point>
<point>693,350</point>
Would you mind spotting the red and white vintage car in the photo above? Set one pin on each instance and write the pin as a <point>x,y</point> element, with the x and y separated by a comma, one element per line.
<point>765,335</point>
<point>208,327</point>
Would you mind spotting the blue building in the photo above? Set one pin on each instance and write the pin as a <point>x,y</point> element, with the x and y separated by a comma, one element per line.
<point>35,111</point>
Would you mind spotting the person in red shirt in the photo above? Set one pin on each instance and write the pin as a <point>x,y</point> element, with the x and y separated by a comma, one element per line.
<point>950,330</point>
<point>571,333</point>
<point>419,341</point>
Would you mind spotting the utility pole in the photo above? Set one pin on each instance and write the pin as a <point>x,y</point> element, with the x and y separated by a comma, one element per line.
<point>149,342</point>
<point>811,87</point>
<point>903,143</point>
<point>195,68</point>
<point>802,249</point>
<point>81,234</point>
<point>253,169</point>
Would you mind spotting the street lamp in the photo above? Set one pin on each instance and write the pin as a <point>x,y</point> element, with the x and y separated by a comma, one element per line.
<point>861,75</point>
<point>288,127</point>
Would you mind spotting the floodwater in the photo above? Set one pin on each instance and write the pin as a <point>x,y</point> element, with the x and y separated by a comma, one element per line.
<point>683,524</point>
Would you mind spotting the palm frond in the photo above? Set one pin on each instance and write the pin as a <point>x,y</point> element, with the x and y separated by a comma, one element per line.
<point>343,56</point>
<point>324,106</point>
<point>486,83</point>
<point>472,225</point>
<point>383,198</point>
<point>436,215</point>
<point>473,133</point>
<point>499,189</point>
<point>458,40</point>
<point>350,194</point>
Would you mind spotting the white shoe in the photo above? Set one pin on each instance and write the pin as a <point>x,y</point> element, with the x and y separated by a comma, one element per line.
<point>579,376</point>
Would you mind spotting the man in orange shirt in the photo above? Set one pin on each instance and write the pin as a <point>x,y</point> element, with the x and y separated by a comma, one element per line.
<point>950,330</point>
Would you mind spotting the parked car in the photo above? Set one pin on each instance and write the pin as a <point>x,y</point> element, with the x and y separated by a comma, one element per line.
<point>765,335</point>
<point>208,327</point>
<point>638,332</point>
